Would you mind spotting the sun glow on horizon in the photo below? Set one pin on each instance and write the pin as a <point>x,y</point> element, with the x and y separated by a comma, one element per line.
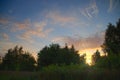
<point>89,52</point>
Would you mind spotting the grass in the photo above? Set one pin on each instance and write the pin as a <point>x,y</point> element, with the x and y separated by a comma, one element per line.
<point>72,72</point>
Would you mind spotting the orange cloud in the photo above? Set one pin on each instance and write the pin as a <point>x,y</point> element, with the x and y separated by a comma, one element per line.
<point>83,43</point>
<point>21,26</point>
<point>4,36</point>
<point>37,31</point>
<point>15,26</point>
<point>3,21</point>
<point>56,17</point>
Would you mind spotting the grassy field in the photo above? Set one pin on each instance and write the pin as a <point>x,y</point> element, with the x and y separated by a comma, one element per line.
<point>62,73</point>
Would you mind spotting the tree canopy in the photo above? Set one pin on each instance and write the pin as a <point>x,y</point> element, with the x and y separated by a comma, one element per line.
<point>54,54</point>
<point>95,57</point>
<point>111,46</point>
<point>111,43</point>
<point>17,59</point>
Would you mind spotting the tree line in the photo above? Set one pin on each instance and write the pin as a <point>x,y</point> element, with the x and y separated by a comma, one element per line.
<point>18,60</point>
<point>111,49</point>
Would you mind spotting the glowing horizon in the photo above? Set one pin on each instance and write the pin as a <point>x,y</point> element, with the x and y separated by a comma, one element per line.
<point>89,52</point>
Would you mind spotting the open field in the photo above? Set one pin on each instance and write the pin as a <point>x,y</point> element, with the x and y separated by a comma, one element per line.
<point>62,74</point>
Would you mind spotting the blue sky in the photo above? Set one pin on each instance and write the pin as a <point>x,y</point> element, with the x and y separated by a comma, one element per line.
<point>36,23</point>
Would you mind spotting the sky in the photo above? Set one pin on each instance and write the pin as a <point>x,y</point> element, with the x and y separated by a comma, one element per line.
<point>34,24</point>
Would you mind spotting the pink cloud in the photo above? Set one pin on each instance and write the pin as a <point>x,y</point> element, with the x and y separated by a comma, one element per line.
<point>5,36</point>
<point>21,25</point>
<point>57,17</point>
<point>3,21</point>
<point>83,43</point>
<point>37,31</point>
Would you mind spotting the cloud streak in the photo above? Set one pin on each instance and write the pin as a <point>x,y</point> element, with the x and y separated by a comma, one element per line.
<point>4,36</point>
<point>3,21</point>
<point>37,31</point>
<point>57,17</point>
<point>90,11</point>
<point>83,43</point>
<point>113,4</point>
<point>26,29</point>
<point>21,25</point>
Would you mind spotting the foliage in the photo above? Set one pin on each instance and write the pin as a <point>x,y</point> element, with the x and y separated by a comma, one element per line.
<point>66,72</point>
<point>17,59</point>
<point>111,46</point>
<point>109,62</point>
<point>112,39</point>
<point>95,57</point>
<point>82,59</point>
<point>54,54</point>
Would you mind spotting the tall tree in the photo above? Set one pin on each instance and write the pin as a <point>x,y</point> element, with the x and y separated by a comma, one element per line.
<point>95,57</point>
<point>54,54</point>
<point>111,43</point>
<point>17,59</point>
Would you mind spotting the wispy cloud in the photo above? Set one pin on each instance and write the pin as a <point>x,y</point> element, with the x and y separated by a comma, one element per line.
<point>113,4</point>
<point>69,20</point>
<point>21,25</point>
<point>38,30</point>
<point>14,25</point>
<point>27,29</point>
<point>4,36</point>
<point>3,21</point>
<point>58,17</point>
<point>91,10</point>
<point>83,43</point>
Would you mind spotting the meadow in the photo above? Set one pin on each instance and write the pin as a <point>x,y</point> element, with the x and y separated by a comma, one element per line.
<point>71,72</point>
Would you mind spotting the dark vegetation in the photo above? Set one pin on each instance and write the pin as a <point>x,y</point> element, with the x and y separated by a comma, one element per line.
<point>18,60</point>
<point>56,55</point>
<point>62,63</point>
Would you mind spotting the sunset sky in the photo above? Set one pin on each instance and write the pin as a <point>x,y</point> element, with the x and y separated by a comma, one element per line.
<point>36,23</point>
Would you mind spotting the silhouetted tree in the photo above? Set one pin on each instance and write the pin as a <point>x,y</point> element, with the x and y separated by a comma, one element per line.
<point>83,58</point>
<point>111,44</point>
<point>95,57</point>
<point>109,62</point>
<point>27,62</point>
<point>17,59</point>
<point>54,54</point>
<point>74,55</point>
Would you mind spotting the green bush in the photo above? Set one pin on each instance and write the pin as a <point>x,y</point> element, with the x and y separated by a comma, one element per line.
<point>109,62</point>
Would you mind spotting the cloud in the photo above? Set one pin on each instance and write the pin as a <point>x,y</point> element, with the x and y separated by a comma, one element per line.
<point>57,17</point>
<point>15,25</point>
<point>113,4</point>
<point>26,30</point>
<point>90,11</point>
<point>21,26</point>
<point>83,43</point>
<point>3,21</point>
<point>70,20</point>
<point>38,30</point>
<point>4,36</point>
